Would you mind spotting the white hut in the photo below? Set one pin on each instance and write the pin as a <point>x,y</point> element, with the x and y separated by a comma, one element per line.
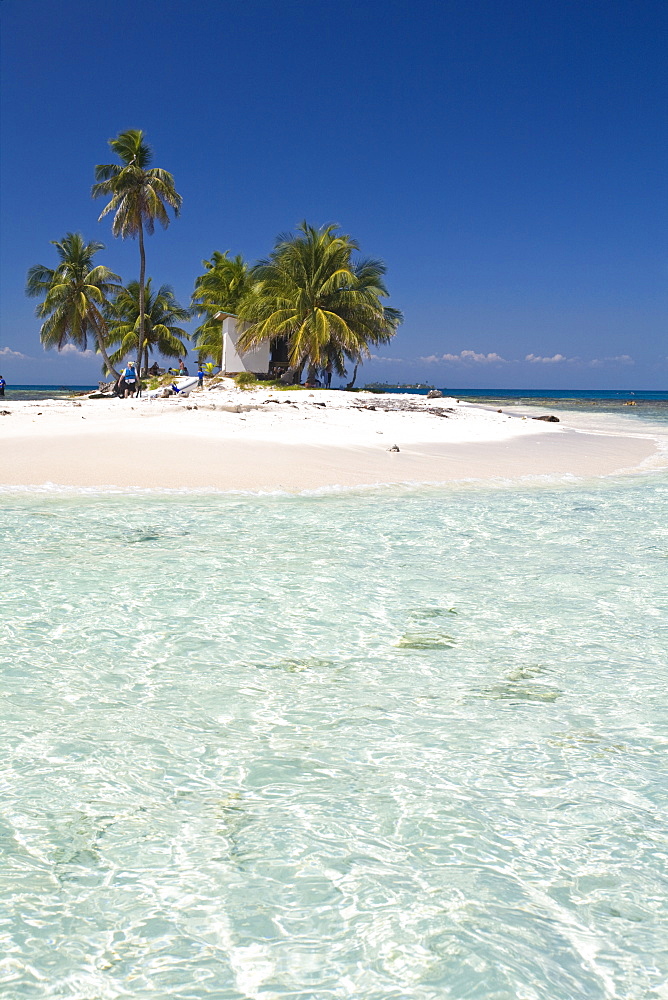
<point>270,356</point>
<point>256,361</point>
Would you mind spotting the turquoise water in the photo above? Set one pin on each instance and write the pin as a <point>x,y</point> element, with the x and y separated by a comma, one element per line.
<point>39,392</point>
<point>404,744</point>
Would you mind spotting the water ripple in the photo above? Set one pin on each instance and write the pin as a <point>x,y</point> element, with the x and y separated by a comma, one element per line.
<point>375,745</point>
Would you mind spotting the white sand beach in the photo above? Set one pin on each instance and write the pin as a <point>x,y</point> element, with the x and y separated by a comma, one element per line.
<point>261,439</point>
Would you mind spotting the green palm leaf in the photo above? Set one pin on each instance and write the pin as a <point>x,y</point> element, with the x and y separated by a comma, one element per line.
<point>312,291</point>
<point>223,286</point>
<point>139,195</point>
<point>162,313</point>
<point>75,296</point>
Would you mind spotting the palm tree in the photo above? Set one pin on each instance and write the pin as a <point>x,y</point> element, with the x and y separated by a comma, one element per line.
<point>311,291</point>
<point>139,196</point>
<point>161,314</point>
<point>75,296</point>
<point>221,288</point>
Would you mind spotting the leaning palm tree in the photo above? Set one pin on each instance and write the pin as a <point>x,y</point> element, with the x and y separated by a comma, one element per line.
<point>311,291</point>
<point>161,314</point>
<point>221,288</point>
<point>139,196</point>
<point>75,296</point>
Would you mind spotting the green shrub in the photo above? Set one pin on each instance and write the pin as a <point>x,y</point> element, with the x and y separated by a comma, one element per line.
<point>245,380</point>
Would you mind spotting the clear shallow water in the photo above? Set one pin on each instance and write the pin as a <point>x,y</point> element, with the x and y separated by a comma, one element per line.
<point>403,744</point>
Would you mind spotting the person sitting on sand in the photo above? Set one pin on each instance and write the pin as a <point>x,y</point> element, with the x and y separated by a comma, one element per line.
<point>129,377</point>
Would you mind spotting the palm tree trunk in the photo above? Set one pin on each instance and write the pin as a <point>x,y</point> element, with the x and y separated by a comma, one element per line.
<point>352,381</point>
<point>100,328</point>
<point>142,296</point>
<point>298,370</point>
<point>110,368</point>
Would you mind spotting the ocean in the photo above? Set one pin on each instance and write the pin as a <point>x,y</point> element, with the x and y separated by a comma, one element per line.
<point>40,392</point>
<point>403,743</point>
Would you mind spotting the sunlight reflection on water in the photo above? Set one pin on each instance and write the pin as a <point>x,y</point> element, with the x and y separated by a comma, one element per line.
<point>401,743</point>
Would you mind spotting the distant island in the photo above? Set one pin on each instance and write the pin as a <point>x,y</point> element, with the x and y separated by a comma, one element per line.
<point>383,386</point>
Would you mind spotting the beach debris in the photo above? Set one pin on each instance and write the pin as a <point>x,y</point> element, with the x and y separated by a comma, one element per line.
<point>5,413</point>
<point>394,447</point>
<point>434,394</point>
<point>549,418</point>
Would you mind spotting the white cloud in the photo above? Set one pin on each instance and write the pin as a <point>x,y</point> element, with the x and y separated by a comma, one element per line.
<point>7,352</point>
<point>71,349</point>
<point>492,358</point>
<point>466,357</point>
<point>393,361</point>
<point>536,359</point>
<point>621,359</point>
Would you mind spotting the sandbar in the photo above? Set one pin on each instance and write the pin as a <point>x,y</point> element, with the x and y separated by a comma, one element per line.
<point>264,440</point>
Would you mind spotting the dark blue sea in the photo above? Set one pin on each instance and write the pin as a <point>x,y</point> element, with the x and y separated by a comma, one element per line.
<point>45,391</point>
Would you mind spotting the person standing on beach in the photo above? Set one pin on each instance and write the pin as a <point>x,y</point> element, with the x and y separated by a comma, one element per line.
<point>2,387</point>
<point>200,378</point>
<point>130,379</point>
<point>328,376</point>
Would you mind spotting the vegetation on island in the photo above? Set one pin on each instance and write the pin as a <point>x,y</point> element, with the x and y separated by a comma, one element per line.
<point>313,294</point>
<point>75,297</point>
<point>221,289</point>
<point>328,306</point>
<point>161,314</point>
<point>139,197</point>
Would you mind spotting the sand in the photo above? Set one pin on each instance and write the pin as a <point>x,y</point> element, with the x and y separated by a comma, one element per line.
<point>287,441</point>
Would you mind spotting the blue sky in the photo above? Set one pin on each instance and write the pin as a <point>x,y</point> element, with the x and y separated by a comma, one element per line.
<point>507,160</point>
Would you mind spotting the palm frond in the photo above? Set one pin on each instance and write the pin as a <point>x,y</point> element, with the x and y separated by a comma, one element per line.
<point>312,290</point>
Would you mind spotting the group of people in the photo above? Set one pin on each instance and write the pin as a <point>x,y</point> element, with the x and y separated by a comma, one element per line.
<point>127,384</point>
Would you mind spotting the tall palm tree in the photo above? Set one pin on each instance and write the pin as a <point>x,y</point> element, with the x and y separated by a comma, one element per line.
<point>139,196</point>
<point>75,296</point>
<point>311,291</point>
<point>222,288</point>
<point>161,314</point>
